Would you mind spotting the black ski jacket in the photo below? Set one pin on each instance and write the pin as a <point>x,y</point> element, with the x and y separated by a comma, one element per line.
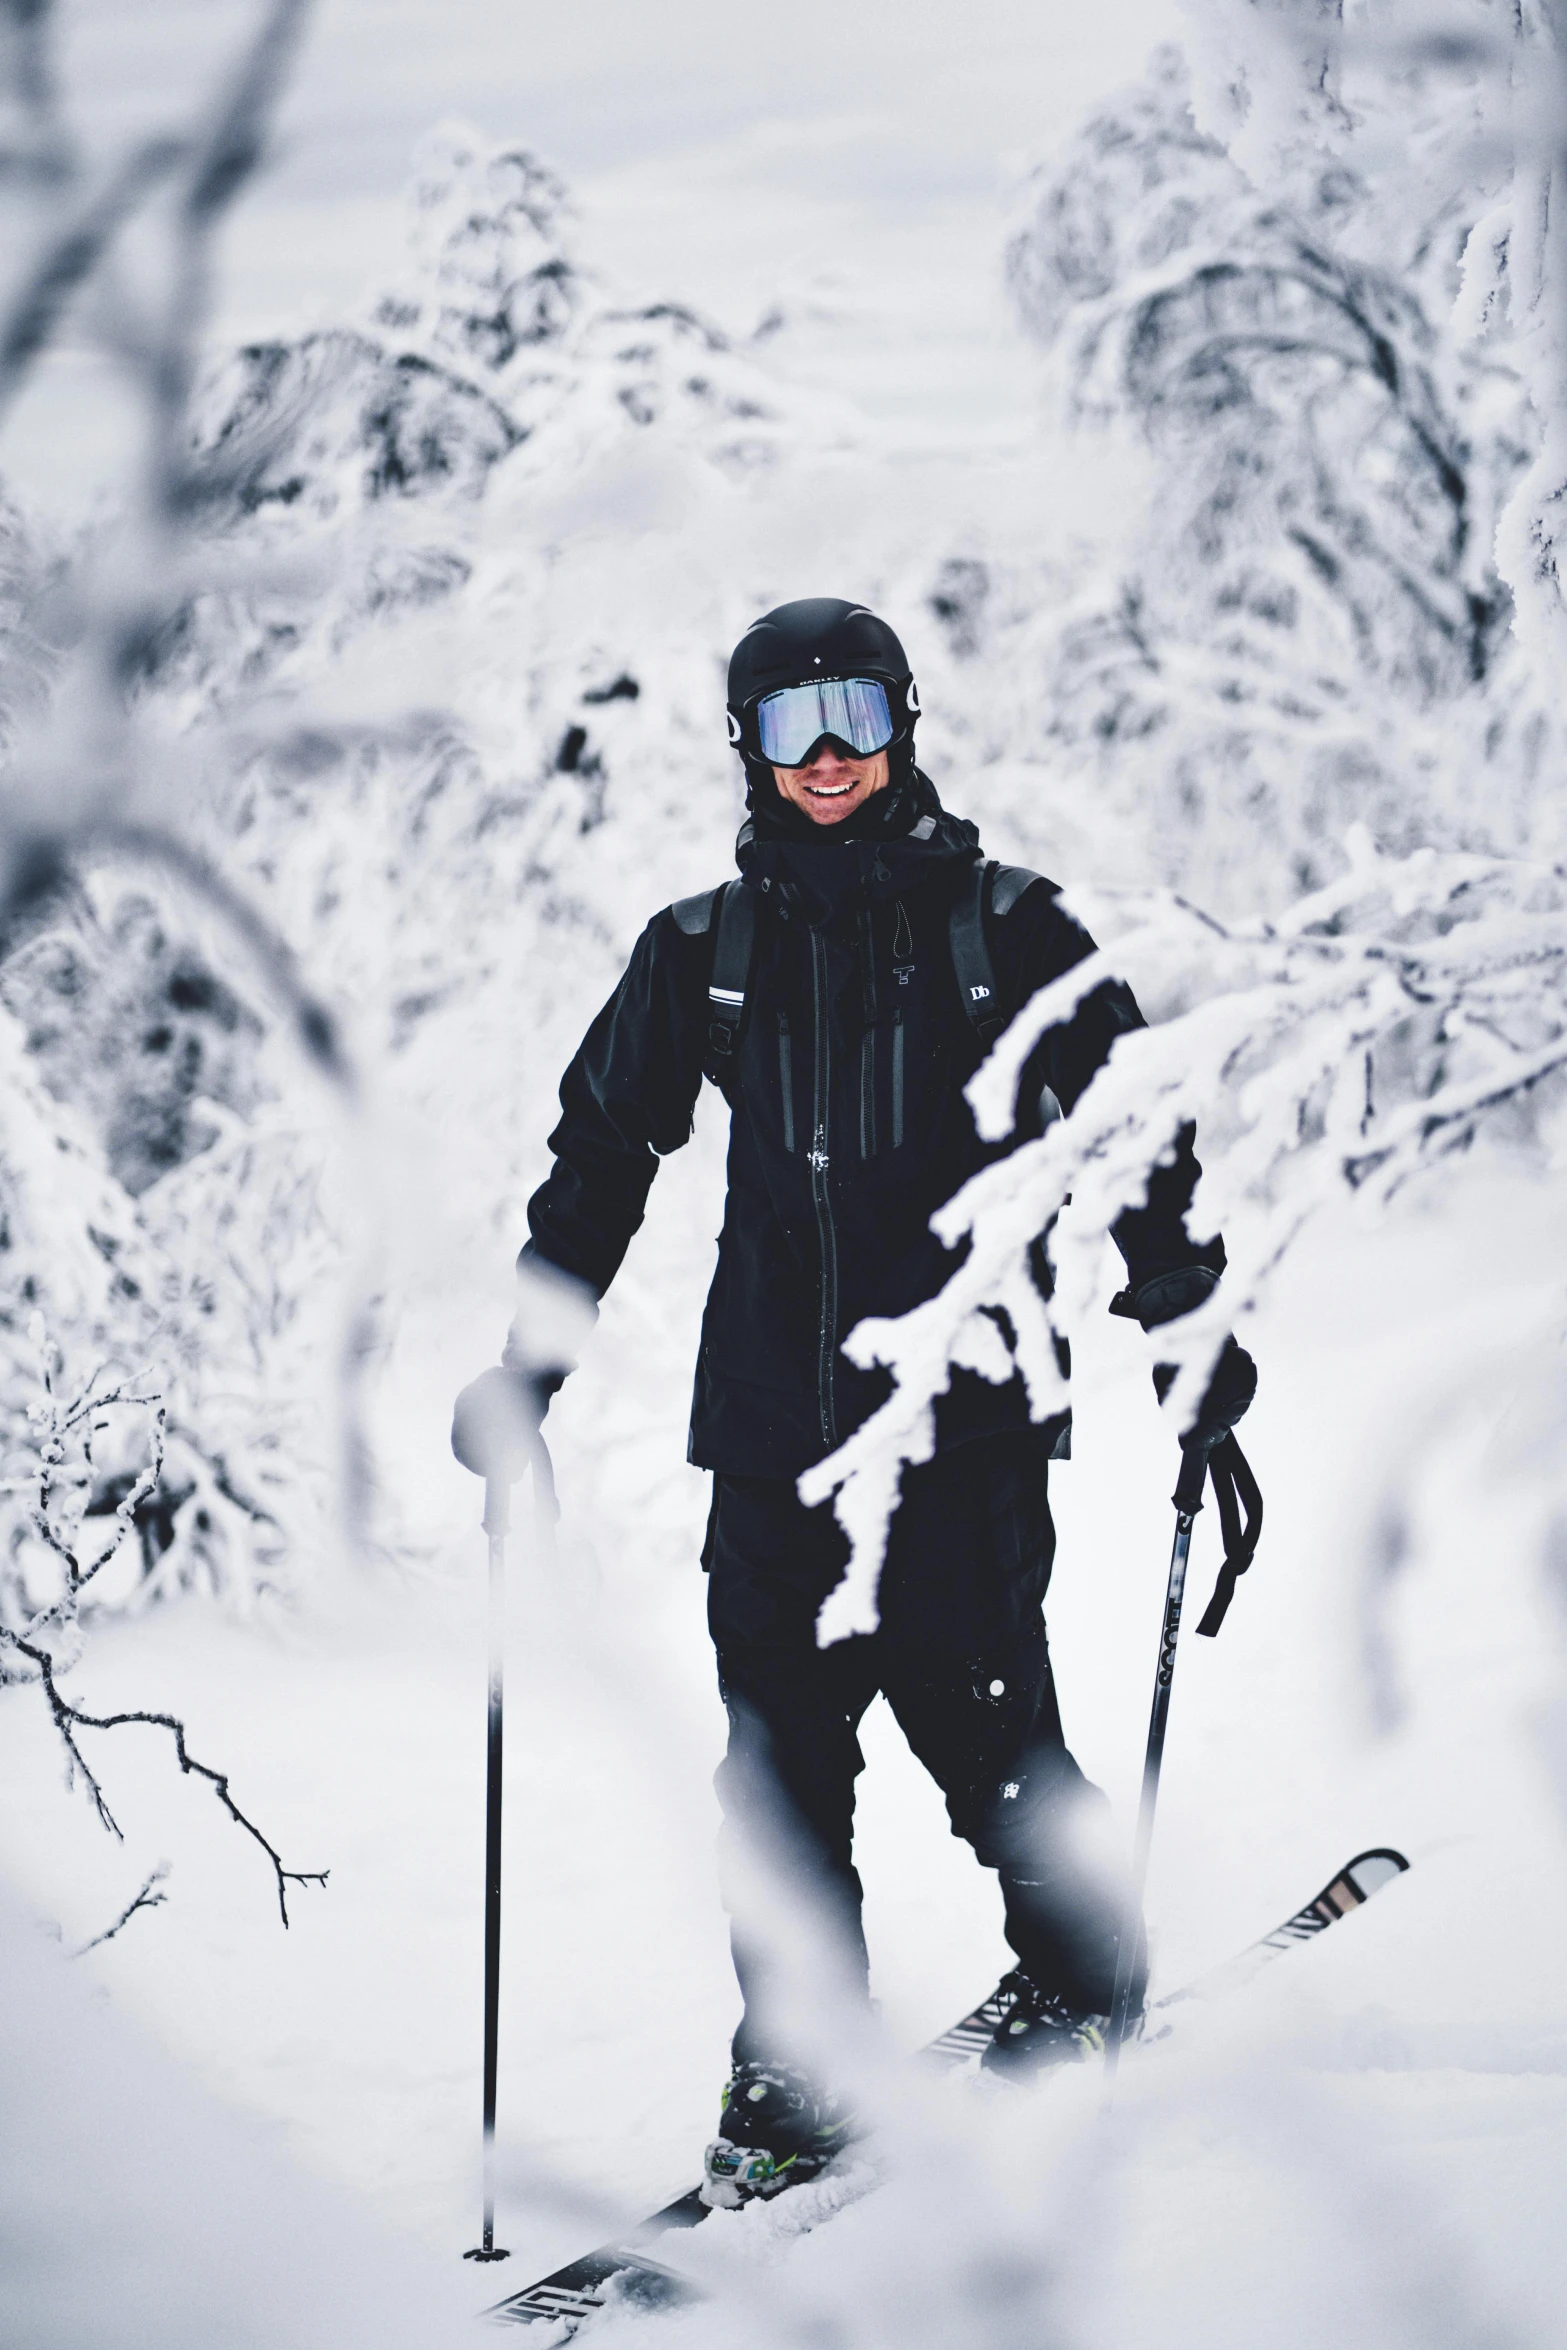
<point>848,1127</point>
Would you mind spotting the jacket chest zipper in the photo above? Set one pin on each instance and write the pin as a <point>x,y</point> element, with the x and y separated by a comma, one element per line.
<point>868,1045</point>
<point>827,1334</point>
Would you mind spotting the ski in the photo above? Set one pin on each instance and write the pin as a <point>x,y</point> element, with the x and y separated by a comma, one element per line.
<point>1355,1883</point>
<point>574,2292</point>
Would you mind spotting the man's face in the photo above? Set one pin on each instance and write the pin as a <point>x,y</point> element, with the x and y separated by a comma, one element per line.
<point>832,786</point>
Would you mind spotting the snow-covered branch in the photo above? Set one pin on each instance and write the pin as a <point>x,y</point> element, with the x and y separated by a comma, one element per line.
<point>1343,1048</point>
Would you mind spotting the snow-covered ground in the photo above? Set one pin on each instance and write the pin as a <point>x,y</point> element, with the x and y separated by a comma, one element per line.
<point>1396,2093</point>
<point>446,709</point>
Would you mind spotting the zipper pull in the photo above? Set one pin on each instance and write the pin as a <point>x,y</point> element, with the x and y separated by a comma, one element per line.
<point>902,947</point>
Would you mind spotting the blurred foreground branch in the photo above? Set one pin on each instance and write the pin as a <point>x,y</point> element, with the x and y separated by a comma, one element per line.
<point>88,781</point>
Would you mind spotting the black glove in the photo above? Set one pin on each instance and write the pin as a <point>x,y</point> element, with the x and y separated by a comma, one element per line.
<point>497,1418</point>
<point>1234,1380</point>
<point>1226,1400</point>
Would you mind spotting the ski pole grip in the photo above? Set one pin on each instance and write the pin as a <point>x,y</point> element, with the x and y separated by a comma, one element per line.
<point>1188,1486</point>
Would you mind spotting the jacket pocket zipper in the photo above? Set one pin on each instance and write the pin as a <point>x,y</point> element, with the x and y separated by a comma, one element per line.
<point>897,1078</point>
<point>786,1079</point>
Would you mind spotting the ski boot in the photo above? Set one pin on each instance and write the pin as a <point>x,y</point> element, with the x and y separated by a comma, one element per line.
<point>1040,2028</point>
<point>776,2129</point>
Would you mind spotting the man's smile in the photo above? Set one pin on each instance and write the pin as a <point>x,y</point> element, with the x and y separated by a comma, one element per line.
<point>831,787</point>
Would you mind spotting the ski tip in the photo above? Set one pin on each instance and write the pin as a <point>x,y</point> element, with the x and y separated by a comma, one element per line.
<point>1355,1883</point>
<point>1373,1869</point>
<point>1344,1893</point>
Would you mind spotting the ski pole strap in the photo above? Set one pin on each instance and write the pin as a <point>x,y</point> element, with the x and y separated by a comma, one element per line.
<point>1235,1490</point>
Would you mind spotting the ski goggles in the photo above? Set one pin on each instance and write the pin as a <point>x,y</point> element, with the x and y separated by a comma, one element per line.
<point>852,709</point>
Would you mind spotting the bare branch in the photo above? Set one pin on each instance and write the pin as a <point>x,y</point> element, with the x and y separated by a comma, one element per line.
<point>68,1719</point>
<point>65,1721</point>
<point>145,1899</point>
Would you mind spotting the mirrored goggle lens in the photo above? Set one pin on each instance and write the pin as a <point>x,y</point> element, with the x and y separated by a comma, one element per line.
<point>853,708</point>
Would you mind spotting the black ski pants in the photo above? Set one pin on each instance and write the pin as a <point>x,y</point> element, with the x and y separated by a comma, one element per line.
<point>962,1659</point>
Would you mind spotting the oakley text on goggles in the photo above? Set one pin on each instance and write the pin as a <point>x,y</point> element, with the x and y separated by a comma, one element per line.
<point>852,709</point>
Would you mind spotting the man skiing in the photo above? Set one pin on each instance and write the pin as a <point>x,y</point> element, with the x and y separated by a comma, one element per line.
<point>841,993</point>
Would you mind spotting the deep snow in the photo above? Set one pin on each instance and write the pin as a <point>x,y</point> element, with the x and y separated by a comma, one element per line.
<point>1397,2092</point>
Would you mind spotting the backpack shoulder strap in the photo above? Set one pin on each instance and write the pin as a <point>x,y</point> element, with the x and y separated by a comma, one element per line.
<point>695,915</point>
<point>731,976</point>
<point>976,974</point>
<point>999,886</point>
<point>1009,884</point>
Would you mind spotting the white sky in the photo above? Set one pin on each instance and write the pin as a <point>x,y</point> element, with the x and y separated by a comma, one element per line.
<point>719,150</point>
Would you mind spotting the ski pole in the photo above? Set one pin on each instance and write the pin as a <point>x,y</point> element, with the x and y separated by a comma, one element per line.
<point>496,1519</point>
<point>1188,1501</point>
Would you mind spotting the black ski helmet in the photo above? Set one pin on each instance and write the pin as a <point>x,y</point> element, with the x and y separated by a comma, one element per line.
<point>817,637</point>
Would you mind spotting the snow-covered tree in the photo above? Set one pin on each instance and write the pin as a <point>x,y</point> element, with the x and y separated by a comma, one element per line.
<point>1311,628</point>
